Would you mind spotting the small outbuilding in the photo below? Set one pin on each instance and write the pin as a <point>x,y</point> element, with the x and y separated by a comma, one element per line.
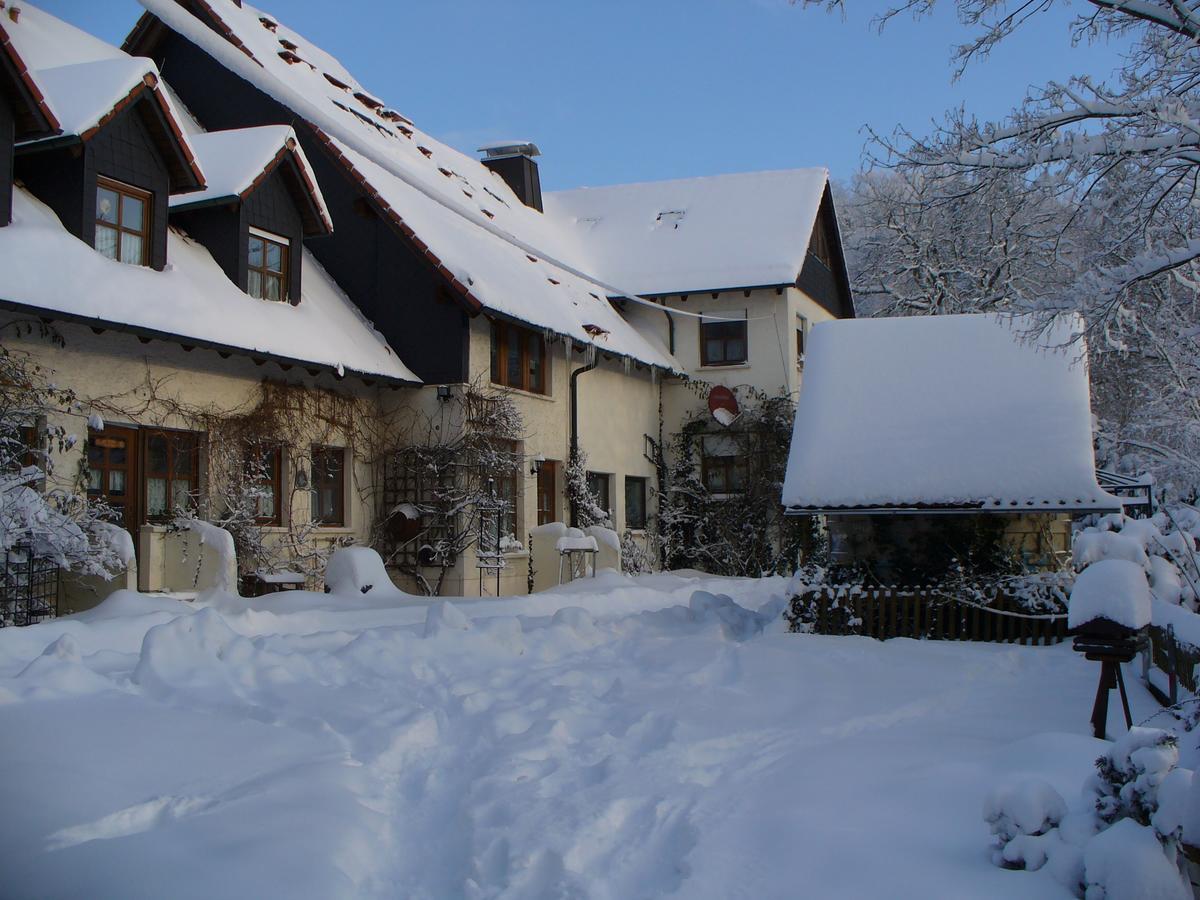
<point>928,440</point>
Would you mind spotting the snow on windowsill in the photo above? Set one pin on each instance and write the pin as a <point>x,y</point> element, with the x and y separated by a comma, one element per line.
<point>523,393</point>
<point>733,367</point>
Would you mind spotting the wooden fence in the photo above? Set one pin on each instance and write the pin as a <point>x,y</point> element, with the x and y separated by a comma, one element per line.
<point>1176,659</point>
<point>885,613</point>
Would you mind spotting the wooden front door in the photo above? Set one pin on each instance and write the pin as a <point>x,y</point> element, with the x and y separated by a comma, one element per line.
<point>113,472</point>
<point>547,505</point>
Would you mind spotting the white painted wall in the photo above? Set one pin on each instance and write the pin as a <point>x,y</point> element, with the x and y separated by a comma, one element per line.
<point>121,372</point>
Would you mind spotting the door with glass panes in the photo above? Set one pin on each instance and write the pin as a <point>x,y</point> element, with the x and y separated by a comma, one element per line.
<point>113,472</point>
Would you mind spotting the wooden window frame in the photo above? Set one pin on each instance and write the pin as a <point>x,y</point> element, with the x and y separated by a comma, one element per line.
<point>724,323</point>
<point>728,464</point>
<point>547,476</point>
<point>801,338</point>
<point>502,336</point>
<point>283,276</point>
<point>273,479</point>
<point>640,483</point>
<point>121,189</point>
<point>174,438</point>
<point>322,450</point>
<point>604,502</point>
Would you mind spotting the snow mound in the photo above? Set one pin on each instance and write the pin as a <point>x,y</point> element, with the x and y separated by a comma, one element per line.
<point>737,622</point>
<point>1113,589</point>
<point>1126,862</point>
<point>60,671</point>
<point>575,618</point>
<point>1030,807</point>
<point>444,617</point>
<point>605,537</point>
<point>187,652</point>
<point>123,604</point>
<point>357,570</point>
<point>1165,581</point>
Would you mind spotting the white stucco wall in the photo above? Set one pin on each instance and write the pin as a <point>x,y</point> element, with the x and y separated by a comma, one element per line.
<point>121,374</point>
<point>772,366</point>
<point>618,405</point>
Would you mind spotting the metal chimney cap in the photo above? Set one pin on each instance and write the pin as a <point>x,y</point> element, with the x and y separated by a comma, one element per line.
<point>510,148</point>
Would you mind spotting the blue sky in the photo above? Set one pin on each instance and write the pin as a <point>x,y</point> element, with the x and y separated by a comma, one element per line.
<point>637,90</point>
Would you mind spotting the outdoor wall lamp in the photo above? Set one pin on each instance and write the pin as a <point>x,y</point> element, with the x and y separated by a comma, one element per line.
<point>301,480</point>
<point>536,467</point>
<point>443,393</point>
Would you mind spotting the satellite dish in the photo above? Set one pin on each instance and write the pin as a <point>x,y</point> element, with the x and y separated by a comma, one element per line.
<point>723,405</point>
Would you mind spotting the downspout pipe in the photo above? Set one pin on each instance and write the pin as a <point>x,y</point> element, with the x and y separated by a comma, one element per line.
<point>575,424</point>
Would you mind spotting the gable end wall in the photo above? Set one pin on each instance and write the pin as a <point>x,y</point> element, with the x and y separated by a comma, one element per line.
<point>65,178</point>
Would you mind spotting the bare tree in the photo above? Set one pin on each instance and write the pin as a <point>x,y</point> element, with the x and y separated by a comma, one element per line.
<point>1084,199</point>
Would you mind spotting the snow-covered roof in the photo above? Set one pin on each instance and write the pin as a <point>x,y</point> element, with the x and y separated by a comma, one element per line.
<point>696,234</point>
<point>944,412</point>
<point>45,267</point>
<point>85,82</point>
<point>235,161</point>
<point>34,117</point>
<point>500,254</point>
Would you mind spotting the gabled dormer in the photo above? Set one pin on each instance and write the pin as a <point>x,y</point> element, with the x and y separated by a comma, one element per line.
<point>261,201</point>
<point>24,115</point>
<point>120,155</point>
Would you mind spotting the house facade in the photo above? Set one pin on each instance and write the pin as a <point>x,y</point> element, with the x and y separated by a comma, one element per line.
<point>265,285</point>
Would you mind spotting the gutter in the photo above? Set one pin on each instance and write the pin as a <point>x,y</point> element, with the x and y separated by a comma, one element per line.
<point>575,423</point>
<point>145,335</point>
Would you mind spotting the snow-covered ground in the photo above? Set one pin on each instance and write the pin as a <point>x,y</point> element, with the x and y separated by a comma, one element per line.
<point>605,740</point>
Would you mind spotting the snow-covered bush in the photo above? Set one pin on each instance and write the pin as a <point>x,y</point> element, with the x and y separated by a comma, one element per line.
<point>441,465</point>
<point>742,531</point>
<point>1164,546</point>
<point>41,515</point>
<point>585,505</point>
<point>1128,776</point>
<point>1029,807</point>
<point>636,557</point>
<point>1121,842</point>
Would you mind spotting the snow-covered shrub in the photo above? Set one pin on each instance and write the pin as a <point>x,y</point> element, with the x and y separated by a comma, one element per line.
<point>1129,775</point>
<point>1164,546</point>
<point>1126,862</point>
<point>636,558</point>
<point>742,531</point>
<point>39,514</point>
<point>585,504</point>
<point>1029,807</point>
<point>441,465</point>
<point>1122,841</point>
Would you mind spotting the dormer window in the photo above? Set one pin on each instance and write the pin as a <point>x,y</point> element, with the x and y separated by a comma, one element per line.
<point>267,266</point>
<point>122,222</point>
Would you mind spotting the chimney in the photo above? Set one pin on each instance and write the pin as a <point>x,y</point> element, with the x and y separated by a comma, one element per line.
<point>513,161</point>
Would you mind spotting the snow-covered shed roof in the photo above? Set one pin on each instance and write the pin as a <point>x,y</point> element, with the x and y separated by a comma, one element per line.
<point>34,117</point>
<point>696,234</point>
<point>236,161</point>
<point>944,412</point>
<point>86,82</point>
<point>498,253</point>
<point>45,268</point>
